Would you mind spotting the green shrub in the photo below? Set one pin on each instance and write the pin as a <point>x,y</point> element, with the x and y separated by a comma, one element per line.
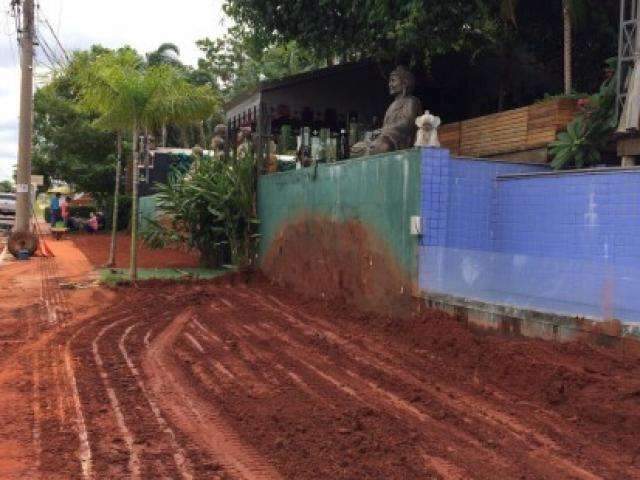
<point>211,208</point>
<point>588,134</point>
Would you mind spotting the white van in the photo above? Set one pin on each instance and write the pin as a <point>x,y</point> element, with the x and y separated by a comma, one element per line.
<point>7,210</point>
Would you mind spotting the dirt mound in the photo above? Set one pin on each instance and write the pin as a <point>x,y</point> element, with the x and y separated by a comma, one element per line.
<point>324,259</point>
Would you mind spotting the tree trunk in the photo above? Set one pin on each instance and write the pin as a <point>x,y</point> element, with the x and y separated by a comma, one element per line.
<point>184,137</point>
<point>566,15</point>
<point>114,219</point>
<point>127,176</point>
<point>164,135</point>
<point>203,137</point>
<point>133,263</point>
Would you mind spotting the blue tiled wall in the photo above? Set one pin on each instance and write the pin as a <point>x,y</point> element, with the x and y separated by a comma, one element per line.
<point>513,234</point>
<point>457,207</point>
<point>575,238</point>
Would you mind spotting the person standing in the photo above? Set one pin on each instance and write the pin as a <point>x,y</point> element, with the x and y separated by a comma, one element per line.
<point>92,224</point>
<point>55,209</point>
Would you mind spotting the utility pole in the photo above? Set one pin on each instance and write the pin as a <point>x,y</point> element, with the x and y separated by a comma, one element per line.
<point>23,184</point>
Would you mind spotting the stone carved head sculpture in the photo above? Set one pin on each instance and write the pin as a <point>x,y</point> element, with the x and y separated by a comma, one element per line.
<point>401,81</point>
<point>219,138</point>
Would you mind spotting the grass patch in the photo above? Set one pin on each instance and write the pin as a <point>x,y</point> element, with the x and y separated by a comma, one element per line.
<point>114,276</point>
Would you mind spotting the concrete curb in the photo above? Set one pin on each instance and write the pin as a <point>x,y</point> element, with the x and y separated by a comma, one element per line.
<point>514,320</point>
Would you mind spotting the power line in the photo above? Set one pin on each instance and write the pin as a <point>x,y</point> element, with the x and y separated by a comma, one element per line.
<point>9,32</point>
<point>55,37</point>
<point>47,51</point>
<point>56,54</point>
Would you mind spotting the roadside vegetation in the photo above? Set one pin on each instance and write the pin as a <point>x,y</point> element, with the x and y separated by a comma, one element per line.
<point>210,208</point>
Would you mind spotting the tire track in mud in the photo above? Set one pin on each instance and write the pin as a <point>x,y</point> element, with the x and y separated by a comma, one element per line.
<point>134,459</point>
<point>480,422</point>
<point>149,441</point>
<point>341,390</point>
<point>232,382</point>
<point>68,438</point>
<point>179,455</point>
<point>121,431</point>
<point>125,440</point>
<point>543,453</point>
<point>196,417</point>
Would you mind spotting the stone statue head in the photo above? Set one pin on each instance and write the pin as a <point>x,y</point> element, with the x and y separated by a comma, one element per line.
<point>220,130</point>
<point>401,81</point>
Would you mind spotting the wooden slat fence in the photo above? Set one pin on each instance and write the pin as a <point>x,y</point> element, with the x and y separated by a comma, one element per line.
<point>516,130</point>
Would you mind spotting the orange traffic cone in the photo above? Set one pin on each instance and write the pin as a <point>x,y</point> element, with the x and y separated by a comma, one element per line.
<point>44,249</point>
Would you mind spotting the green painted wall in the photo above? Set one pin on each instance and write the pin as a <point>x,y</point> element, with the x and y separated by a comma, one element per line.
<point>147,210</point>
<point>381,191</point>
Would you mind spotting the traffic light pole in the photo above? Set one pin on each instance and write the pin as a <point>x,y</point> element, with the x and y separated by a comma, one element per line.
<point>23,180</point>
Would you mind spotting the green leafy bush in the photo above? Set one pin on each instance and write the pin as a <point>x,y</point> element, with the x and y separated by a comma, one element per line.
<point>210,208</point>
<point>588,134</point>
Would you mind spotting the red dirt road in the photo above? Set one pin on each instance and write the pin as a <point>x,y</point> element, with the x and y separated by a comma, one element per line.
<point>236,379</point>
<point>96,249</point>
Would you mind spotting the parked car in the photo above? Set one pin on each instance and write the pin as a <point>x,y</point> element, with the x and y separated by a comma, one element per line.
<point>7,210</point>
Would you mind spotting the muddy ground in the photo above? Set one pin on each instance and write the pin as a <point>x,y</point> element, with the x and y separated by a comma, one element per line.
<point>239,379</point>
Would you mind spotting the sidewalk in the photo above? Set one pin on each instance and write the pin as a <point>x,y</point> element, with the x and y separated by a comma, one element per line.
<point>21,281</point>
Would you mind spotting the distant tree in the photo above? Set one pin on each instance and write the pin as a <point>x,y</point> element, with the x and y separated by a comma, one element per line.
<point>189,133</point>
<point>238,62</point>
<point>165,54</point>
<point>6,186</point>
<point>67,145</point>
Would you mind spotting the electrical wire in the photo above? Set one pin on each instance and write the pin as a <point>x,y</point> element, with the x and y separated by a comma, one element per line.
<point>56,55</point>
<point>48,52</point>
<point>55,37</point>
<point>11,33</point>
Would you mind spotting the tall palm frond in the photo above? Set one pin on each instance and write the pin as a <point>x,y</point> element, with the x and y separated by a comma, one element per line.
<point>165,54</point>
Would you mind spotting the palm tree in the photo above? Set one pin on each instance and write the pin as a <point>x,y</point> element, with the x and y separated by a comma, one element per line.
<point>165,54</point>
<point>128,96</point>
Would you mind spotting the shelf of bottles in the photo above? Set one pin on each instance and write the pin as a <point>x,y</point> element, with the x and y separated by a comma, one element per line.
<point>302,146</point>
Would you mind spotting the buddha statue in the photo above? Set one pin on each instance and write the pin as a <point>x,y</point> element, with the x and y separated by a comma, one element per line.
<point>399,127</point>
<point>218,141</point>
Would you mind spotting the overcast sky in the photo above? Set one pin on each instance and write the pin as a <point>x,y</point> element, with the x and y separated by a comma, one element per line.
<point>143,24</point>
